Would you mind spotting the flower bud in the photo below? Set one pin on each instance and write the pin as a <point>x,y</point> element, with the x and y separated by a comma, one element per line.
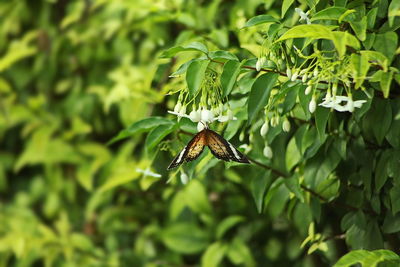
<point>316,72</point>
<point>308,90</point>
<point>267,152</point>
<point>260,63</point>
<point>195,116</point>
<point>264,129</point>
<point>177,107</point>
<point>313,104</point>
<point>304,79</point>
<point>286,126</point>
<point>184,178</point>
<point>289,73</point>
<point>183,110</point>
<point>294,76</point>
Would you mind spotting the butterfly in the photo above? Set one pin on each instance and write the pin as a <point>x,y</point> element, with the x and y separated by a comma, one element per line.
<point>218,146</point>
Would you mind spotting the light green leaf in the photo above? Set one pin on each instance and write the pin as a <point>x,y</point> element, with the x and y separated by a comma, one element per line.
<point>195,74</point>
<point>184,238</point>
<point>360,28</point>
<point>260,20</point>
<point>340,39</point>
<point>367,258</point>
<point>222,55</point>
<point>394,10</point>
<point>196,197</point>
<point>293,155</point>
<point>285,6</point>
<point>360,66</point>
<point>239,253</point>
<point>195,46</point>
<point>385,82</point>
<point>227,224</point>
<point>140,127</point>
<point>293,184</point>
<point>259,185</point>
<point>213,255</point>
<point>259,94</point>
<point>229,75</point>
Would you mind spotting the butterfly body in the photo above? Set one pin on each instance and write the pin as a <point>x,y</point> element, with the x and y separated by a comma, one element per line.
<point>218,146</point>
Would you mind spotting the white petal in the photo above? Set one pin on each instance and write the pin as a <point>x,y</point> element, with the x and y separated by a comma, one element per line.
<point>200,126</point>
<point>195,116</point>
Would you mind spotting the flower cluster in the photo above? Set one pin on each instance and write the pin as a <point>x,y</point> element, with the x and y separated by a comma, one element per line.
<point>202,115</point>
<point>335,102</point>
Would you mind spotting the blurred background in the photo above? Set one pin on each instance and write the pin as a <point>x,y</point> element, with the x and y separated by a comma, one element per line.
<point>75,73</point>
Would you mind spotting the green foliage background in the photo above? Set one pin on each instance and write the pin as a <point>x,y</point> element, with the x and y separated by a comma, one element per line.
<point>73,74</point>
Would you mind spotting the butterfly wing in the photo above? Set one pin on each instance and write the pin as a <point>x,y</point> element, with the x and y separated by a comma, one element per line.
<point>222,149</point>
<point>191,151</point>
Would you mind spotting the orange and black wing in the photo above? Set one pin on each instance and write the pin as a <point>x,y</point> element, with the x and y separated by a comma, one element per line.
<point>191,151</point>
<point>222,149</point>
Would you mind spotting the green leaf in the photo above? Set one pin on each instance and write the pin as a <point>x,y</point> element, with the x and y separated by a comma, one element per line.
<point>260,20</point>
<point>376,58</point>
<point>227,224</point>
<point>366,258</point>
<point>182,68</point>
<point>222,55</point>
<point>239,253</point>
<point>229,75</point>
<point>157,134</point>
<point>213,255</point>
<point>386,80</point>
<point>330,13</point>
<point>259,94</point>
<point>285,6</point>
<point>259,185</point>
<point>141,126</point>
<point>293,155</point>
<point>195,46</point>
<point>380,117</point>
<point>391,224</point>
<point>196,197</point>
<point>359,27</point>
<point>329,188</point>
<point>293,184</point>
<point>395,199</point>
<point>195,74</point>
<point>360,66</point>
<point>394,10</point>
<point>340,39</point>
<point>321,119</point>
<point>371,18</point>
<point>381,170</point>
<point>386,43</point>
<point>184,238</point>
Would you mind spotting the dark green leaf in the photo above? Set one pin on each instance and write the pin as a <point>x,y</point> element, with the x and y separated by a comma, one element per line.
<point>157,134</point>
<point>140,127</point>
<point>229,75</point>
<point>321,119</point>
<point>259,185</point>
<point>285,6</point>
<point>195,75</point>
<point>330,13</point>
<point>386,43</point>
<point>386,80</point>
<point>259,94</point>
<point>395,199</point>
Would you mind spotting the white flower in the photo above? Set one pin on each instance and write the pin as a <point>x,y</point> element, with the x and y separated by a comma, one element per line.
<point>147,172</point>
<point>267,151</point>
<point>260,63</point>
<point>180,113</point>
<point>286,125</point>
<point>313,104</point>
<point>195,115</point>
<point>207,116</point>
<point>184,178</point>
<point>303,16</point>
<point>335,102</point>
<point>264,128</point>
<point>178,107</point>
<point>228,117</point>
